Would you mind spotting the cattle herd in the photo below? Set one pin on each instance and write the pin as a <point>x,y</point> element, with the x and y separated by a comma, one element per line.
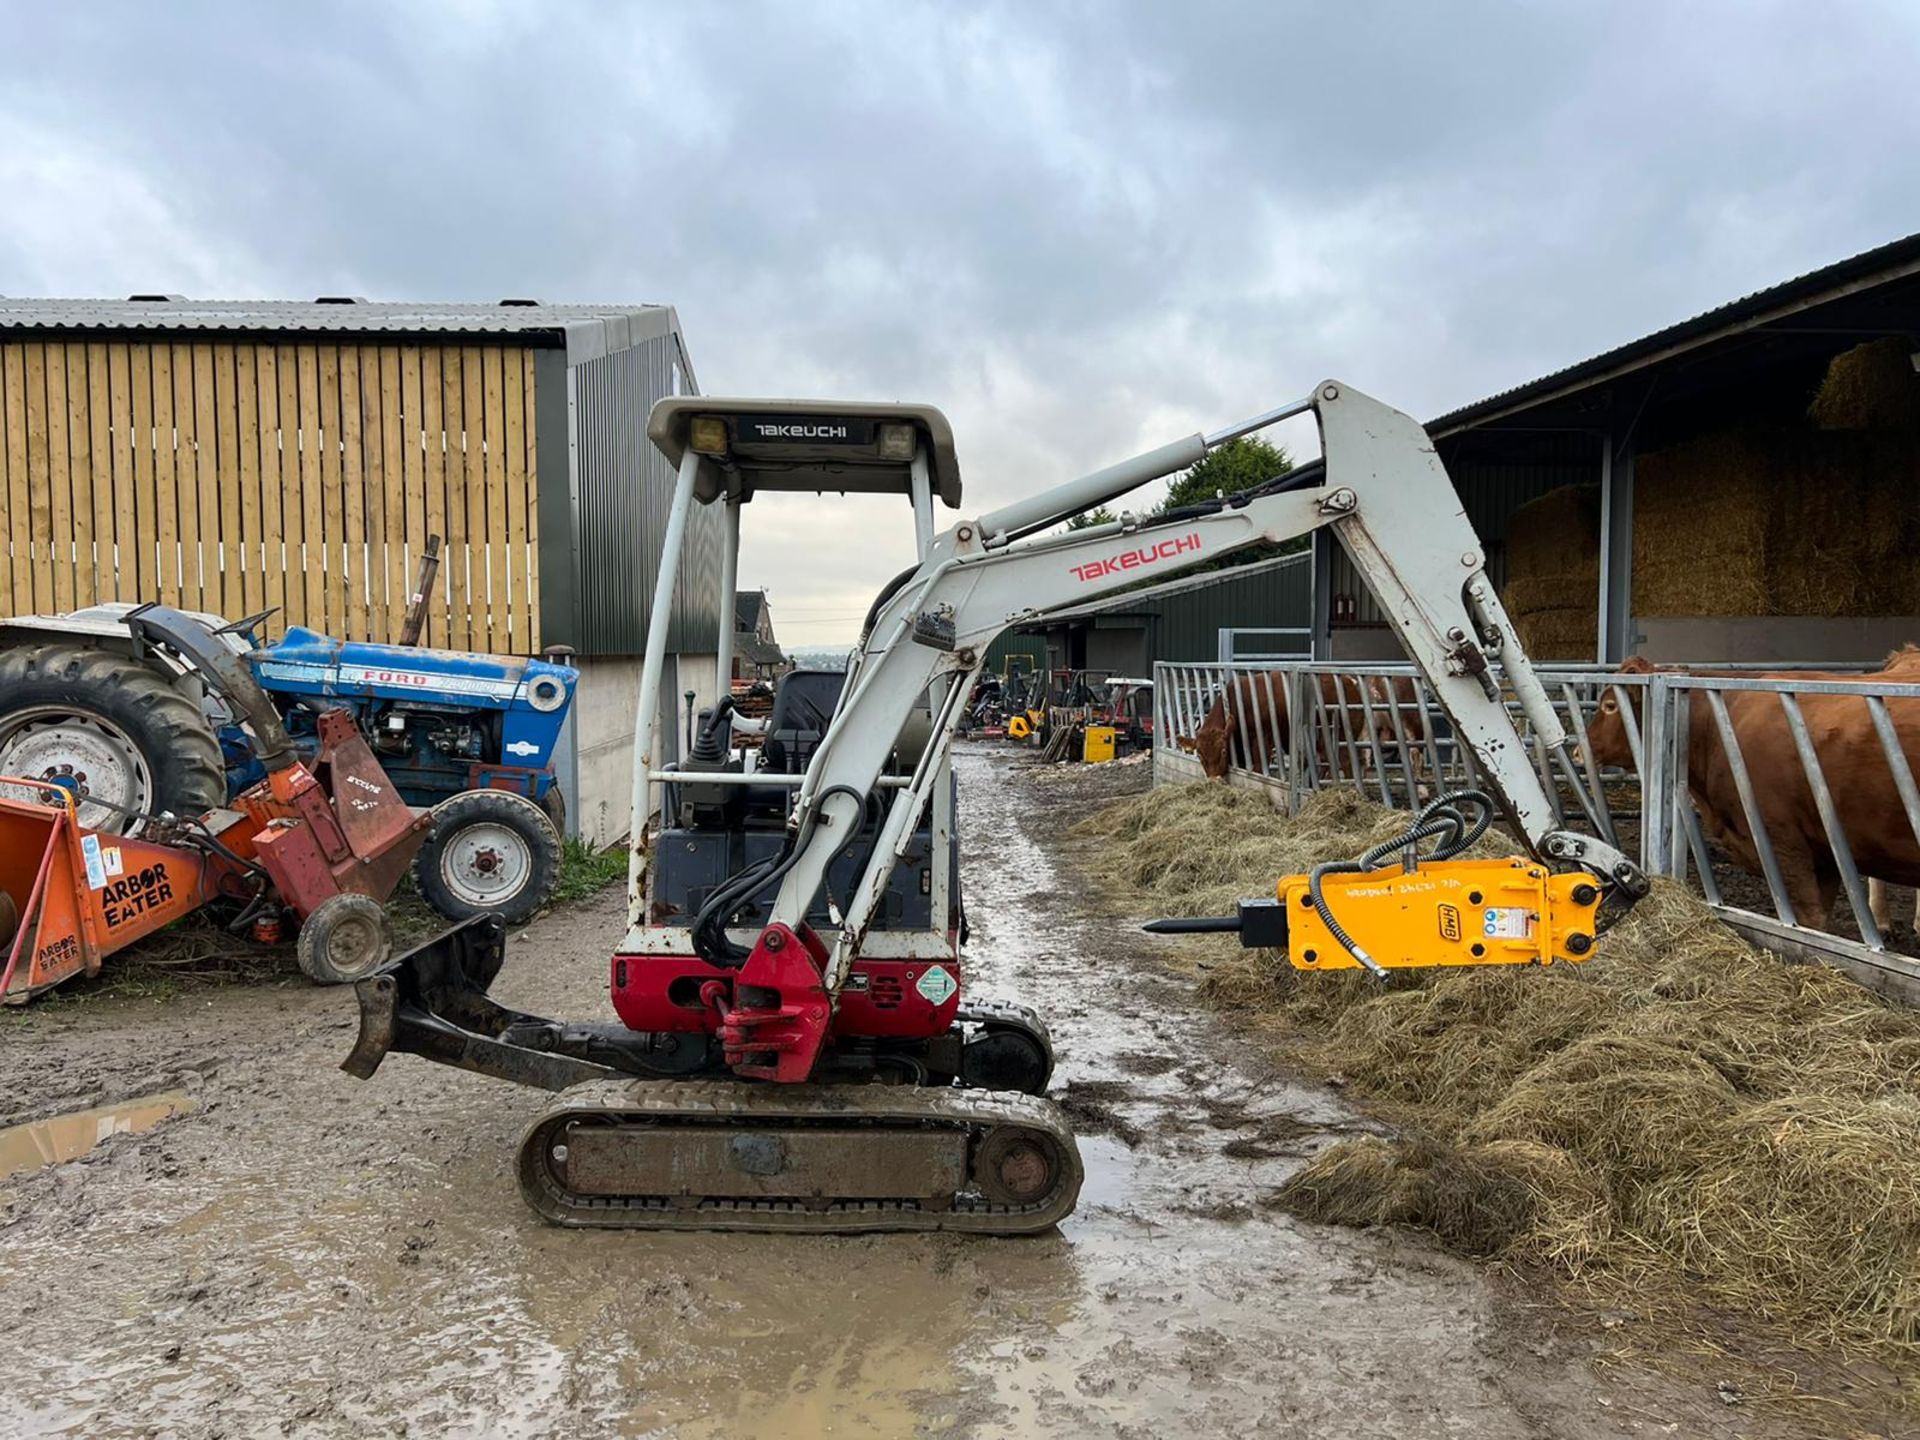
<point>1248,725</point>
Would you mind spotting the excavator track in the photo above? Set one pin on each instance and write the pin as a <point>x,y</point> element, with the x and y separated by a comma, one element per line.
<point>808,1159</point>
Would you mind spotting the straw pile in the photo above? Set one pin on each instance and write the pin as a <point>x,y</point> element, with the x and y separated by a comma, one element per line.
<point>1764,521</point>
<point>1683,1112</point>
<point>1553,573</point>
<point>1870,387</point>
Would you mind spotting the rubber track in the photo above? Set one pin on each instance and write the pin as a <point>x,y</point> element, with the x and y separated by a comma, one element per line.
<point>770,1106</point>
<point>189,778</point>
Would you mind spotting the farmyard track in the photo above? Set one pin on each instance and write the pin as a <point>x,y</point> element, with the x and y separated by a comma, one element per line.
<point>312,1256</point>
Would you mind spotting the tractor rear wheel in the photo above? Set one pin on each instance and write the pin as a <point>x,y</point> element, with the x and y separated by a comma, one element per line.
<point>490,852</point>
<point>106,726</point>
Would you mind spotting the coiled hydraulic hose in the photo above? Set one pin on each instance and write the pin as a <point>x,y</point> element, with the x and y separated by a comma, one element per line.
<point>1442,821</point>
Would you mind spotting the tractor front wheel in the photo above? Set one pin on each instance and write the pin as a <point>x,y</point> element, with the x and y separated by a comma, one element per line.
<point>490,852</point>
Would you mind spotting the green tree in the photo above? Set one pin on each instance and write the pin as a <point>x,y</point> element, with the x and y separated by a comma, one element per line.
<point>1088,518</point>
<point>1237,465</point>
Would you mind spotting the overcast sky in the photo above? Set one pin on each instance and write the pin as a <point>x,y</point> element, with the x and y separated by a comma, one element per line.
<point>1081,229</point>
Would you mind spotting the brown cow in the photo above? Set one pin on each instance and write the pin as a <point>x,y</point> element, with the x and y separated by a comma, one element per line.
<point>1871,814</point>
<point>1250,705</point>
<point>1252,711</point>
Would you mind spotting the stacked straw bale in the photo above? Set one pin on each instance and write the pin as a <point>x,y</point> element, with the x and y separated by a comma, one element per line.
<point>1870,387</point>
<point>1771,521</point>
<point>1553,573</point>
<point>1776,520</point>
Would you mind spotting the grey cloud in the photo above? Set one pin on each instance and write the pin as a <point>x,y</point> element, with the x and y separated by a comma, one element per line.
<point>1080,227</point>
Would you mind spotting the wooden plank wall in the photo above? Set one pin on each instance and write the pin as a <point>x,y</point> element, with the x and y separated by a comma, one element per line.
<point>233,477</point>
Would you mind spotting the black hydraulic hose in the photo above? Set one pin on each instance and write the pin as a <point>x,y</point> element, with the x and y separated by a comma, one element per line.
<point>710,925</point>
<point>205,840</point>
<point>1441,820</point>
<point>892,588</point>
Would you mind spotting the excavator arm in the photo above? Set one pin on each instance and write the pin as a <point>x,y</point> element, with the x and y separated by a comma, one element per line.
<point>1386,496</point>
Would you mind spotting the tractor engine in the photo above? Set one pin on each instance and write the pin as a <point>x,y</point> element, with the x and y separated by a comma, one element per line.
<point>442,721</point>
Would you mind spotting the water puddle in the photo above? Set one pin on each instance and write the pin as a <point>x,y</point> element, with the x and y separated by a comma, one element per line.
<point>67,1137</point>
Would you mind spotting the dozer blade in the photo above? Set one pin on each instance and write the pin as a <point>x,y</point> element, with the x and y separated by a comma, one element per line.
<point>813,1159</point>
<point>432,1002</point>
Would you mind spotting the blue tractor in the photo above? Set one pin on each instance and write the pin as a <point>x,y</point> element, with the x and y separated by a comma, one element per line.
<point>471,737</point>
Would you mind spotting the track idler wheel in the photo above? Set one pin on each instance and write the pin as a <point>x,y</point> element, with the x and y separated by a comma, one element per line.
<point>1016,1166</point>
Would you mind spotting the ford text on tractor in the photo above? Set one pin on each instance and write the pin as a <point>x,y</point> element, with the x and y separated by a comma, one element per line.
<point>794,1047</point>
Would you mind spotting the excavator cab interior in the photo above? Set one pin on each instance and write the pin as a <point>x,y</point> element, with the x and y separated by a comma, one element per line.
<point>723,808</point>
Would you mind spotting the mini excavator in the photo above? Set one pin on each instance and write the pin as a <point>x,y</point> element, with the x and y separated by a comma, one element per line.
<point>794,1049</point>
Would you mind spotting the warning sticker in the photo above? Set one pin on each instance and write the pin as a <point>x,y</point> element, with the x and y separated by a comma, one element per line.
<point>96,868</point>
<point>1509,922</point>
<point>110,858</point>
<point>936,985</point>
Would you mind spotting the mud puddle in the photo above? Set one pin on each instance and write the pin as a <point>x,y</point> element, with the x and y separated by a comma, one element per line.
<point>306,1255</point>
<point>60,1138</point>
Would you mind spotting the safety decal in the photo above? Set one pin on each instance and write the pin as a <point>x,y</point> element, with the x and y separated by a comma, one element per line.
<point>110,859</point>
<point>936,985</point>
<point>1509,922</point>
<point>96,868</point>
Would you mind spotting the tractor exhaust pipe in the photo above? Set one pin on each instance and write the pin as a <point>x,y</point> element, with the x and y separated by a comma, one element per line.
<point>415,621</point>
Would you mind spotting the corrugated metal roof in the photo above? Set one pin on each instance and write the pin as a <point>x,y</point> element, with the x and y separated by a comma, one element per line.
<point>600,328</point>
<point>1133,599</point>
<point>1858,272</point>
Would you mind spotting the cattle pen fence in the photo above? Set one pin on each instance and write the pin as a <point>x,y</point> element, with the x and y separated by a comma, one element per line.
<point>1787,813</point>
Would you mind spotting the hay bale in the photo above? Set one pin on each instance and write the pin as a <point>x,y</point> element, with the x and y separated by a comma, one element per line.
<point>1559,634</point>
<point>1534,594</point>
<point>1700,520</point>
<point>1762,521</point>
<point>1682,1112</point>
<point>1555,535</point>
<point>1553,573</point>
<point>1870,387</point>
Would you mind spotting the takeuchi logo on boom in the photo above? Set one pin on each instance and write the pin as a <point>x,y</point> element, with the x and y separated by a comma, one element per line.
<point>1135,558</point>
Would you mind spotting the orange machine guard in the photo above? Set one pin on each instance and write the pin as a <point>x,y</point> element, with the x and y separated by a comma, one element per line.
<point>95,892</point>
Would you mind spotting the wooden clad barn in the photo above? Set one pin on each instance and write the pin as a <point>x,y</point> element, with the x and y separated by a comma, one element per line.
<point>233,457</point>
<point>230,457</point>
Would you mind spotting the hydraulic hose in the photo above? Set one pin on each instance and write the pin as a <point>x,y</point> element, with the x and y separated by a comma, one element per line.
<point>709,932</point>
<point>1441,820</point>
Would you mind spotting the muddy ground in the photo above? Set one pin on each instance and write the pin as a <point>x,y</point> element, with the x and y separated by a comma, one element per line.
<point>307,1255</point>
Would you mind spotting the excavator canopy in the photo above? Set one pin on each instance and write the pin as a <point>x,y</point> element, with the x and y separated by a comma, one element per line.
<point>853,446</point>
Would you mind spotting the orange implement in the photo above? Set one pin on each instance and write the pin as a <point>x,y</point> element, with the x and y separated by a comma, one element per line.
<point>70,895</point>
<point>79,895</point>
